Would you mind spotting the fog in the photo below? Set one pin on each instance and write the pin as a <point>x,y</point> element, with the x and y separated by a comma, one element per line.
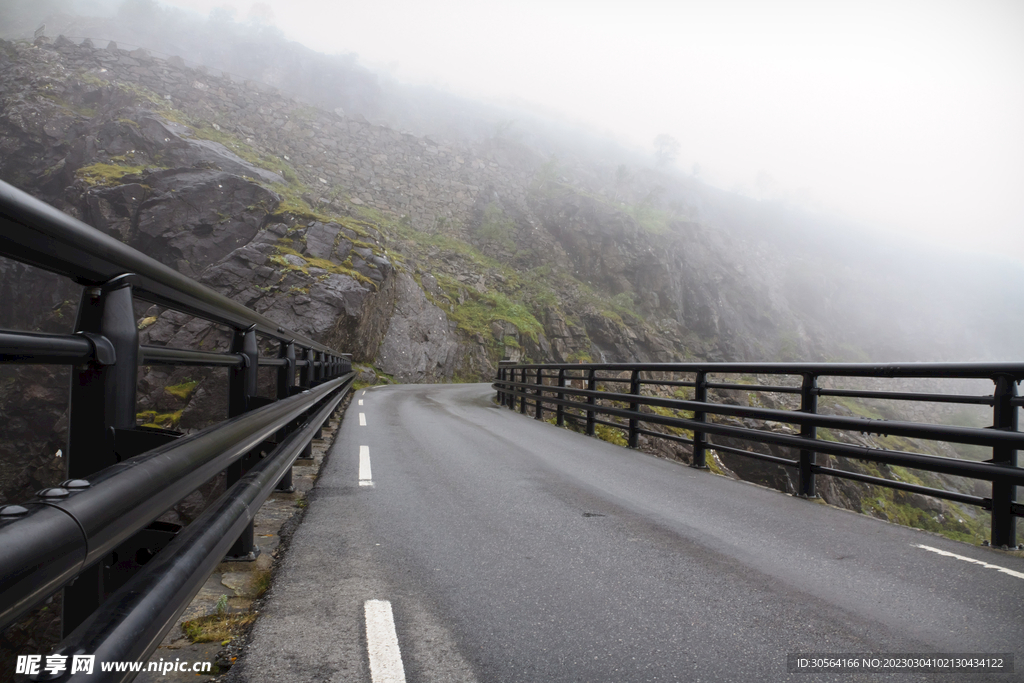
<point>856,145</point>
<point>902,115</point>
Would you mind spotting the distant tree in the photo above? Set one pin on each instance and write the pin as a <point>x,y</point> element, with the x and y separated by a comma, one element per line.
<point>666,149</point>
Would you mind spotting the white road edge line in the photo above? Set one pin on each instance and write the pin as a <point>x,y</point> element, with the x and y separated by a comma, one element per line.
<point>986,565</point>
<point>362,419</point>
<point>365,478</point>
<point>382,643</point>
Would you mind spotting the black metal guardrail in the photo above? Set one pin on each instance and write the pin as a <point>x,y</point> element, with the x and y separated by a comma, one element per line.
<point>125,577</point>
<point>572,392</point>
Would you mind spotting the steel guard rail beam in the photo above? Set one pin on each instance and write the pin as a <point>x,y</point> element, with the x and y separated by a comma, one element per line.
<point>541,387</point>
<point>123,499</point>
<point>34,232</point>
<point>134,620</point>
<point>96,535</point>
<point>932,463</point>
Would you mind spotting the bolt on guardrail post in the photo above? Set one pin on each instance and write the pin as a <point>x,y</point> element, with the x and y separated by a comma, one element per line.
<point>700,394</point>
<point>241,386</point>
<point>591,386</point>
<point>539,408</point>
<point>1004,417</point>
<point>102,400</point>
<point>285,382</point>
<point>808,404</point>
<point>560,409</point>
<point>634,424</point>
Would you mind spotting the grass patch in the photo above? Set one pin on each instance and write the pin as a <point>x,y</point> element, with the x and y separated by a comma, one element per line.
<point>579,356</point>
<point>280,261</point>
<point>261,582</point>
<point>896,507</point>
<point>151,418</point>
<point>669,412</point>
<point>184,390</point>
<point>213,628</point>
<point>611,435</point>
<point>104,175</point>
<point>497,227</point>
<point>478,310</point>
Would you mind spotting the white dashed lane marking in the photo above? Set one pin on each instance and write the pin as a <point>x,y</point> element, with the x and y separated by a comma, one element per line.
<point>360,401</point>
<point>362,419</point>
<point>365,477</point>
<point>382,643</point>
<point>986,565</point>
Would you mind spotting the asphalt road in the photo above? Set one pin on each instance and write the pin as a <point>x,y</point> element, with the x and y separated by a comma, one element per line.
<point>512,550</point>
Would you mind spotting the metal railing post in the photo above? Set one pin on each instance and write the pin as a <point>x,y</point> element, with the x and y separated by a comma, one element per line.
<point>560,409</point>
<point>522,399</point>
<point>591,386</point>
<point>306,372</point>
<point>241,386</point>
<point>634,424</point>
<point>502,372</point>
<point>285,382</point>
<point>808,404</point>
<point>700,442</point>
<point>1004,495</point>
<point>306,375</point>
<point>102,399</point>
<point>540,393</point>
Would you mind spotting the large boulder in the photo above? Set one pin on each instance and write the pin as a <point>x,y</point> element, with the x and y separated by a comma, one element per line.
<point>421,344</point>
<point>195,217</point>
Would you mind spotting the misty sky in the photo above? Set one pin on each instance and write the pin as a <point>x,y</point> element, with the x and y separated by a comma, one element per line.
<point>905,114</point>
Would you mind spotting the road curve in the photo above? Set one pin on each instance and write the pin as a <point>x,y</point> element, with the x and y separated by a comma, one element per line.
<point>512,550</point>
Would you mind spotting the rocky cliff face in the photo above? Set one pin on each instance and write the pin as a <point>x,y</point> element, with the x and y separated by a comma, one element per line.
<point>240,188</point>
<point>427,260</point>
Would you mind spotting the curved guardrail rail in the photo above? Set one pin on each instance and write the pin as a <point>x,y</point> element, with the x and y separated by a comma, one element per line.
<point>579,392</point>
<point>126,577</point>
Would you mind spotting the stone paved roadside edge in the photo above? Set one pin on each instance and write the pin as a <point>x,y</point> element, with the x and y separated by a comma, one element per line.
<point>241,584</point>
